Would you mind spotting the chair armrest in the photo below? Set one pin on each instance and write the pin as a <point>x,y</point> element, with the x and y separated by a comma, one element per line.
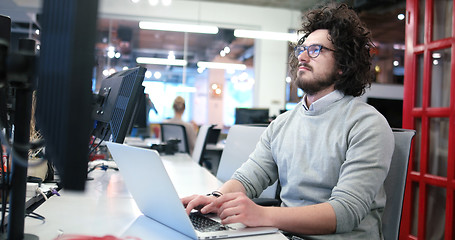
<point>267,202</point>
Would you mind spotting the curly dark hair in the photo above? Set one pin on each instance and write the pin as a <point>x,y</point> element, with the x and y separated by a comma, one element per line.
<point>352,41</point>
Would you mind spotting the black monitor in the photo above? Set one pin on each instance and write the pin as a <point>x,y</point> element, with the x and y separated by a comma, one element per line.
<point>64,95</point>
<point>116,102</point>
<point>392,109</point>
<point>251,116</point>
<point>139,124</point>
<point>5,36</point>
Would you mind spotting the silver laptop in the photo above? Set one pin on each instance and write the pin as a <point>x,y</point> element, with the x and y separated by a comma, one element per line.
<point>141,168</point>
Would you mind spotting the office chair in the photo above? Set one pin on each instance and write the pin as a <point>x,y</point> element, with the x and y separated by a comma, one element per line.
<point>201,142</point>
<point>395,183</point>
<point>240,143</point>
<point>175,131</point>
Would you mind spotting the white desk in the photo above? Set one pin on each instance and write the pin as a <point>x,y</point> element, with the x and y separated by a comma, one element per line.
<point>106,207</point>
<point>140,142</point>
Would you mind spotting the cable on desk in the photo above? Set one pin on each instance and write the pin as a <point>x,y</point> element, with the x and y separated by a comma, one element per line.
<point>36,216</point>
<point>92,146</point>
<point>33,215</point>
<point>102,166</point>
<point>39,191</point>
<point>54,191</point>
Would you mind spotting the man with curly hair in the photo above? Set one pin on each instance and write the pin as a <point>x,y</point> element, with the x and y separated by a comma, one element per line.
<point>331,153</point>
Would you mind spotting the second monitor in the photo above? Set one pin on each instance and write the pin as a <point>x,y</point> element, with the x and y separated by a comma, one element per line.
<point>116,102</point>
<point>252,116</point>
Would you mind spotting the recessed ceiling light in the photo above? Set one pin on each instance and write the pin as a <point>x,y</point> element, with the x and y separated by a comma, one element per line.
<point>280,36</point>
<point>176,27</point>
<point>219,65</point>
<point>161,61</point>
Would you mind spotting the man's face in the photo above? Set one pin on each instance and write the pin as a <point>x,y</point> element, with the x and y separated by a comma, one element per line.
<point>316,74</point>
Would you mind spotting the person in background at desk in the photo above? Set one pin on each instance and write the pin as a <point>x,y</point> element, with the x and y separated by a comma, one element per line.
<point>179,109</point>
<point>331,153</point>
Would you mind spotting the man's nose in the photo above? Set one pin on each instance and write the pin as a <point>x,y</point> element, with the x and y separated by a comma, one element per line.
<point>303,56</point>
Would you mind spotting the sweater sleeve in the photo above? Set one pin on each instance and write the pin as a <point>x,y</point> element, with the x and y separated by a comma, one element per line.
<point>370,148</point>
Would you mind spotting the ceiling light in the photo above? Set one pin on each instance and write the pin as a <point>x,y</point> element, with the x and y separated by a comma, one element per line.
<point>175,27</point>
<point>280,36</point>
<point>436,55</point>
<point>218,65</point>
<point>400,16</point>
<point>148,74</point>
<point>111,54</point>
<point>171,55</point>
<point>161,61</point>
<point>397,46</point>
<point>227,49</point>
<point>157,75</point>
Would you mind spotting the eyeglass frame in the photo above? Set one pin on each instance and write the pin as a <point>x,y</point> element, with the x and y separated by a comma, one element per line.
<point>306,48</point>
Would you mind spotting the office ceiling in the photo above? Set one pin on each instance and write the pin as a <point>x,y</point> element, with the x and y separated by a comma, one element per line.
<point>380,17</point>
<point>287,4</point>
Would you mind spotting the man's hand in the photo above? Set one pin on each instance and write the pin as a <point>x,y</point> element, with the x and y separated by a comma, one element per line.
<point>197,202</point>
<point>238,208</point>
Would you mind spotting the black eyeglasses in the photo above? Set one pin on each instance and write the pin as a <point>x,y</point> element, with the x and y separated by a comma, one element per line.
<point>313,51</point>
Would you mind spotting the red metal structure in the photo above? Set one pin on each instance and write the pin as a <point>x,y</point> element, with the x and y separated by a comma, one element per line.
<point>429,108</point>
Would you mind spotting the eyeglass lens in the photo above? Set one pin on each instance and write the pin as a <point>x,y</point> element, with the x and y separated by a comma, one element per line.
<point>312,50</point>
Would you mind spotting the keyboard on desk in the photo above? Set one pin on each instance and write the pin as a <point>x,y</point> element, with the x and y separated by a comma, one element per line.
<point>203,223</point>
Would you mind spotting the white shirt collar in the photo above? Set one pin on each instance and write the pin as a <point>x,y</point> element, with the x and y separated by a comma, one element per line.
<point>324,101</point>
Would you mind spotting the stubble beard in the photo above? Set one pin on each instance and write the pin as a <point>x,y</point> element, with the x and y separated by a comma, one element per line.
<point>315,85</point>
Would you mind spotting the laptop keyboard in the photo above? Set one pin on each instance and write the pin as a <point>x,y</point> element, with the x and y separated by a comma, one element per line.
<point>205,224</point>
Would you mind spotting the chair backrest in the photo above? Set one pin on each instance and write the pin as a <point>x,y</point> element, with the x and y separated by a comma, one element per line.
<point>240,143</point>
<point>175,131</point>
<point>201,142</point>
<point>395,183</point>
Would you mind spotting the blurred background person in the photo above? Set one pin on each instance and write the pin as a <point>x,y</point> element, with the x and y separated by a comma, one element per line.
<point>179,109</point>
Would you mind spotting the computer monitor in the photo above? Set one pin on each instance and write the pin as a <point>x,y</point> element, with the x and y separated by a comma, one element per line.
<point>391,109</point>
<point>5,36</point>
<point>116,102</point>
<point>139,124</point>
<point>251,116</point>
<point>388,100</point>
<point>64,95</point>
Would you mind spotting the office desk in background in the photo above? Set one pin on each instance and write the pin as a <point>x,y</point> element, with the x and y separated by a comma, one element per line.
<point>212,156</point>
<point>106,207</point>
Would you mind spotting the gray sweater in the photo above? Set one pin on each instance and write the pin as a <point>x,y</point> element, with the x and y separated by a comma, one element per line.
<point>338,154</point>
